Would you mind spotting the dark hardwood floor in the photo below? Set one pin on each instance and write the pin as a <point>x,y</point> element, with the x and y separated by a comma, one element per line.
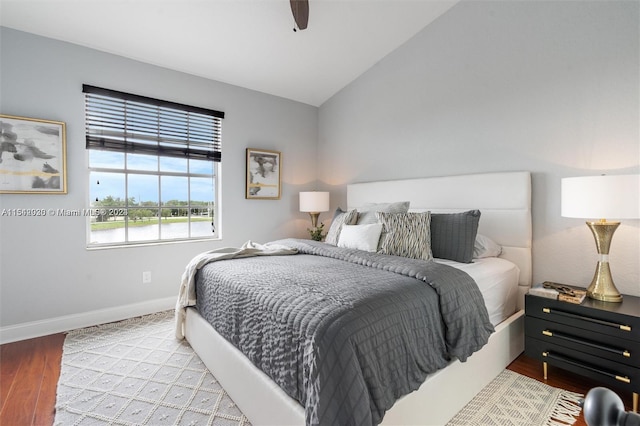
<point>29,372</point>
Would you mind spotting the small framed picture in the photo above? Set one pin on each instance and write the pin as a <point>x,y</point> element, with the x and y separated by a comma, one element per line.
<point>263,174</point>
<point>32,156</point>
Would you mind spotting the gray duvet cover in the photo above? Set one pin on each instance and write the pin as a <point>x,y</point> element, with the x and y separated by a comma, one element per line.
<point>344,332</point>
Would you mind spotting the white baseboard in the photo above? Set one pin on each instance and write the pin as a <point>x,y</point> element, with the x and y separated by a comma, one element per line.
<point>61,324</point>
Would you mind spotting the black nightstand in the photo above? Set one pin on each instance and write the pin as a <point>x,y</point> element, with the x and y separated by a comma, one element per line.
<point>599,340</point>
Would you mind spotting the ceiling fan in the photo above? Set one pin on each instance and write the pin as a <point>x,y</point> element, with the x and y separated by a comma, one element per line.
<point>300,10</point>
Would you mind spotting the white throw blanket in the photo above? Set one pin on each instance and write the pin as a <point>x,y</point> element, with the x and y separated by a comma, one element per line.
<point>187,295</point>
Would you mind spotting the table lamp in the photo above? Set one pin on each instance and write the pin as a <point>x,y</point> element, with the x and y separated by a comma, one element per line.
<point>602,198</point>
<point>314,202</point>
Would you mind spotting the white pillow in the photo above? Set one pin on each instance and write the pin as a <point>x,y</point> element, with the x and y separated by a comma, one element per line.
<point>485,247</point>
<point>361,237</point>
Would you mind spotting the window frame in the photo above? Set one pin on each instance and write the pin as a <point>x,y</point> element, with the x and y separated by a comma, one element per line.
<point>126,172</point>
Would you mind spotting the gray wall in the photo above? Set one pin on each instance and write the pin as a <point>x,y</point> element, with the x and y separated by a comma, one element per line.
<point>46,272</point>
<point>549,87</point>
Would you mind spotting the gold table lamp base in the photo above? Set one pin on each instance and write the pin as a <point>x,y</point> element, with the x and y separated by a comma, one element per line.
<point>314,219</point>
<point>602,286</point>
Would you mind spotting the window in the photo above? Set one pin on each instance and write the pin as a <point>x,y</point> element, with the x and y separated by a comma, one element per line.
<point>153,169</point>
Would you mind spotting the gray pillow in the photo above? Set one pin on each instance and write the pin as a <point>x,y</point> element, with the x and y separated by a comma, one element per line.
<point>407,235</point>
<point>367,213</point>
<point>453,235</point>
<point>340,218</point>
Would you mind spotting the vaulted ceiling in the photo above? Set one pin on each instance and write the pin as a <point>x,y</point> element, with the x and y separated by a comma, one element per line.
<point>248,43</point>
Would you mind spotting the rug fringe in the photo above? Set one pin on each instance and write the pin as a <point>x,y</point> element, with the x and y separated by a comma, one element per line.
<point>566,410</point>
<point>512,399</point>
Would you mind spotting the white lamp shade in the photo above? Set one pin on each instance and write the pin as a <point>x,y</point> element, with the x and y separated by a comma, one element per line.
<point>314,201</point>
<point>601,197</point>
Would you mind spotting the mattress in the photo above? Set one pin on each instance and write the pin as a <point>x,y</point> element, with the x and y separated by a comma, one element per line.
<point>498,282</point>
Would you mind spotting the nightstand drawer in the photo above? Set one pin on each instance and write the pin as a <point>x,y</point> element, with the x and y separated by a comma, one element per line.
<point>588,316</point>
<point>603,345</point>
<point>608,372</point>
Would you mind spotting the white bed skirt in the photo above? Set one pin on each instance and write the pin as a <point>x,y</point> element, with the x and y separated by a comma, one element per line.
<point>439,398</point>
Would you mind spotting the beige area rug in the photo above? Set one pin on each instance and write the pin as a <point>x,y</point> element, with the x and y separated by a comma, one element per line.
<point>135,372</point>
<point>515,400</point>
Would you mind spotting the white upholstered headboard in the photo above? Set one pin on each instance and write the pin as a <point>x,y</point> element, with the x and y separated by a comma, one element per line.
<point>504,200</point>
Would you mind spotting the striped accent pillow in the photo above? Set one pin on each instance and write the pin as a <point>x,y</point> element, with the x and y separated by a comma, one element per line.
<point>453,235</point>
<point>407,234</point>
<point>340,218</point>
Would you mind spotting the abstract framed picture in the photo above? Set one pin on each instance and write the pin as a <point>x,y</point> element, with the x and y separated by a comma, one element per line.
<point>263,174</point>
<point>33,156</point>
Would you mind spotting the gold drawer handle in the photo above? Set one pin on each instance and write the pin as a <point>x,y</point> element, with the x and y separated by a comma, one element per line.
<point>593,320</point>
<point>624,379</point>
<point>625,353</point>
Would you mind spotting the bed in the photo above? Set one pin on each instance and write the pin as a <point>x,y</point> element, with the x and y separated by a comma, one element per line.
<point>504,200</point>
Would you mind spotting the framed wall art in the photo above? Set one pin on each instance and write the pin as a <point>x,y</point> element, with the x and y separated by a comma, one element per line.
<point>263,174</point>
<point>32,156</point>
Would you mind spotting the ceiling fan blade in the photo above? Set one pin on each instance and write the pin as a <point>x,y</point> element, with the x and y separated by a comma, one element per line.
<point>300,10</point>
